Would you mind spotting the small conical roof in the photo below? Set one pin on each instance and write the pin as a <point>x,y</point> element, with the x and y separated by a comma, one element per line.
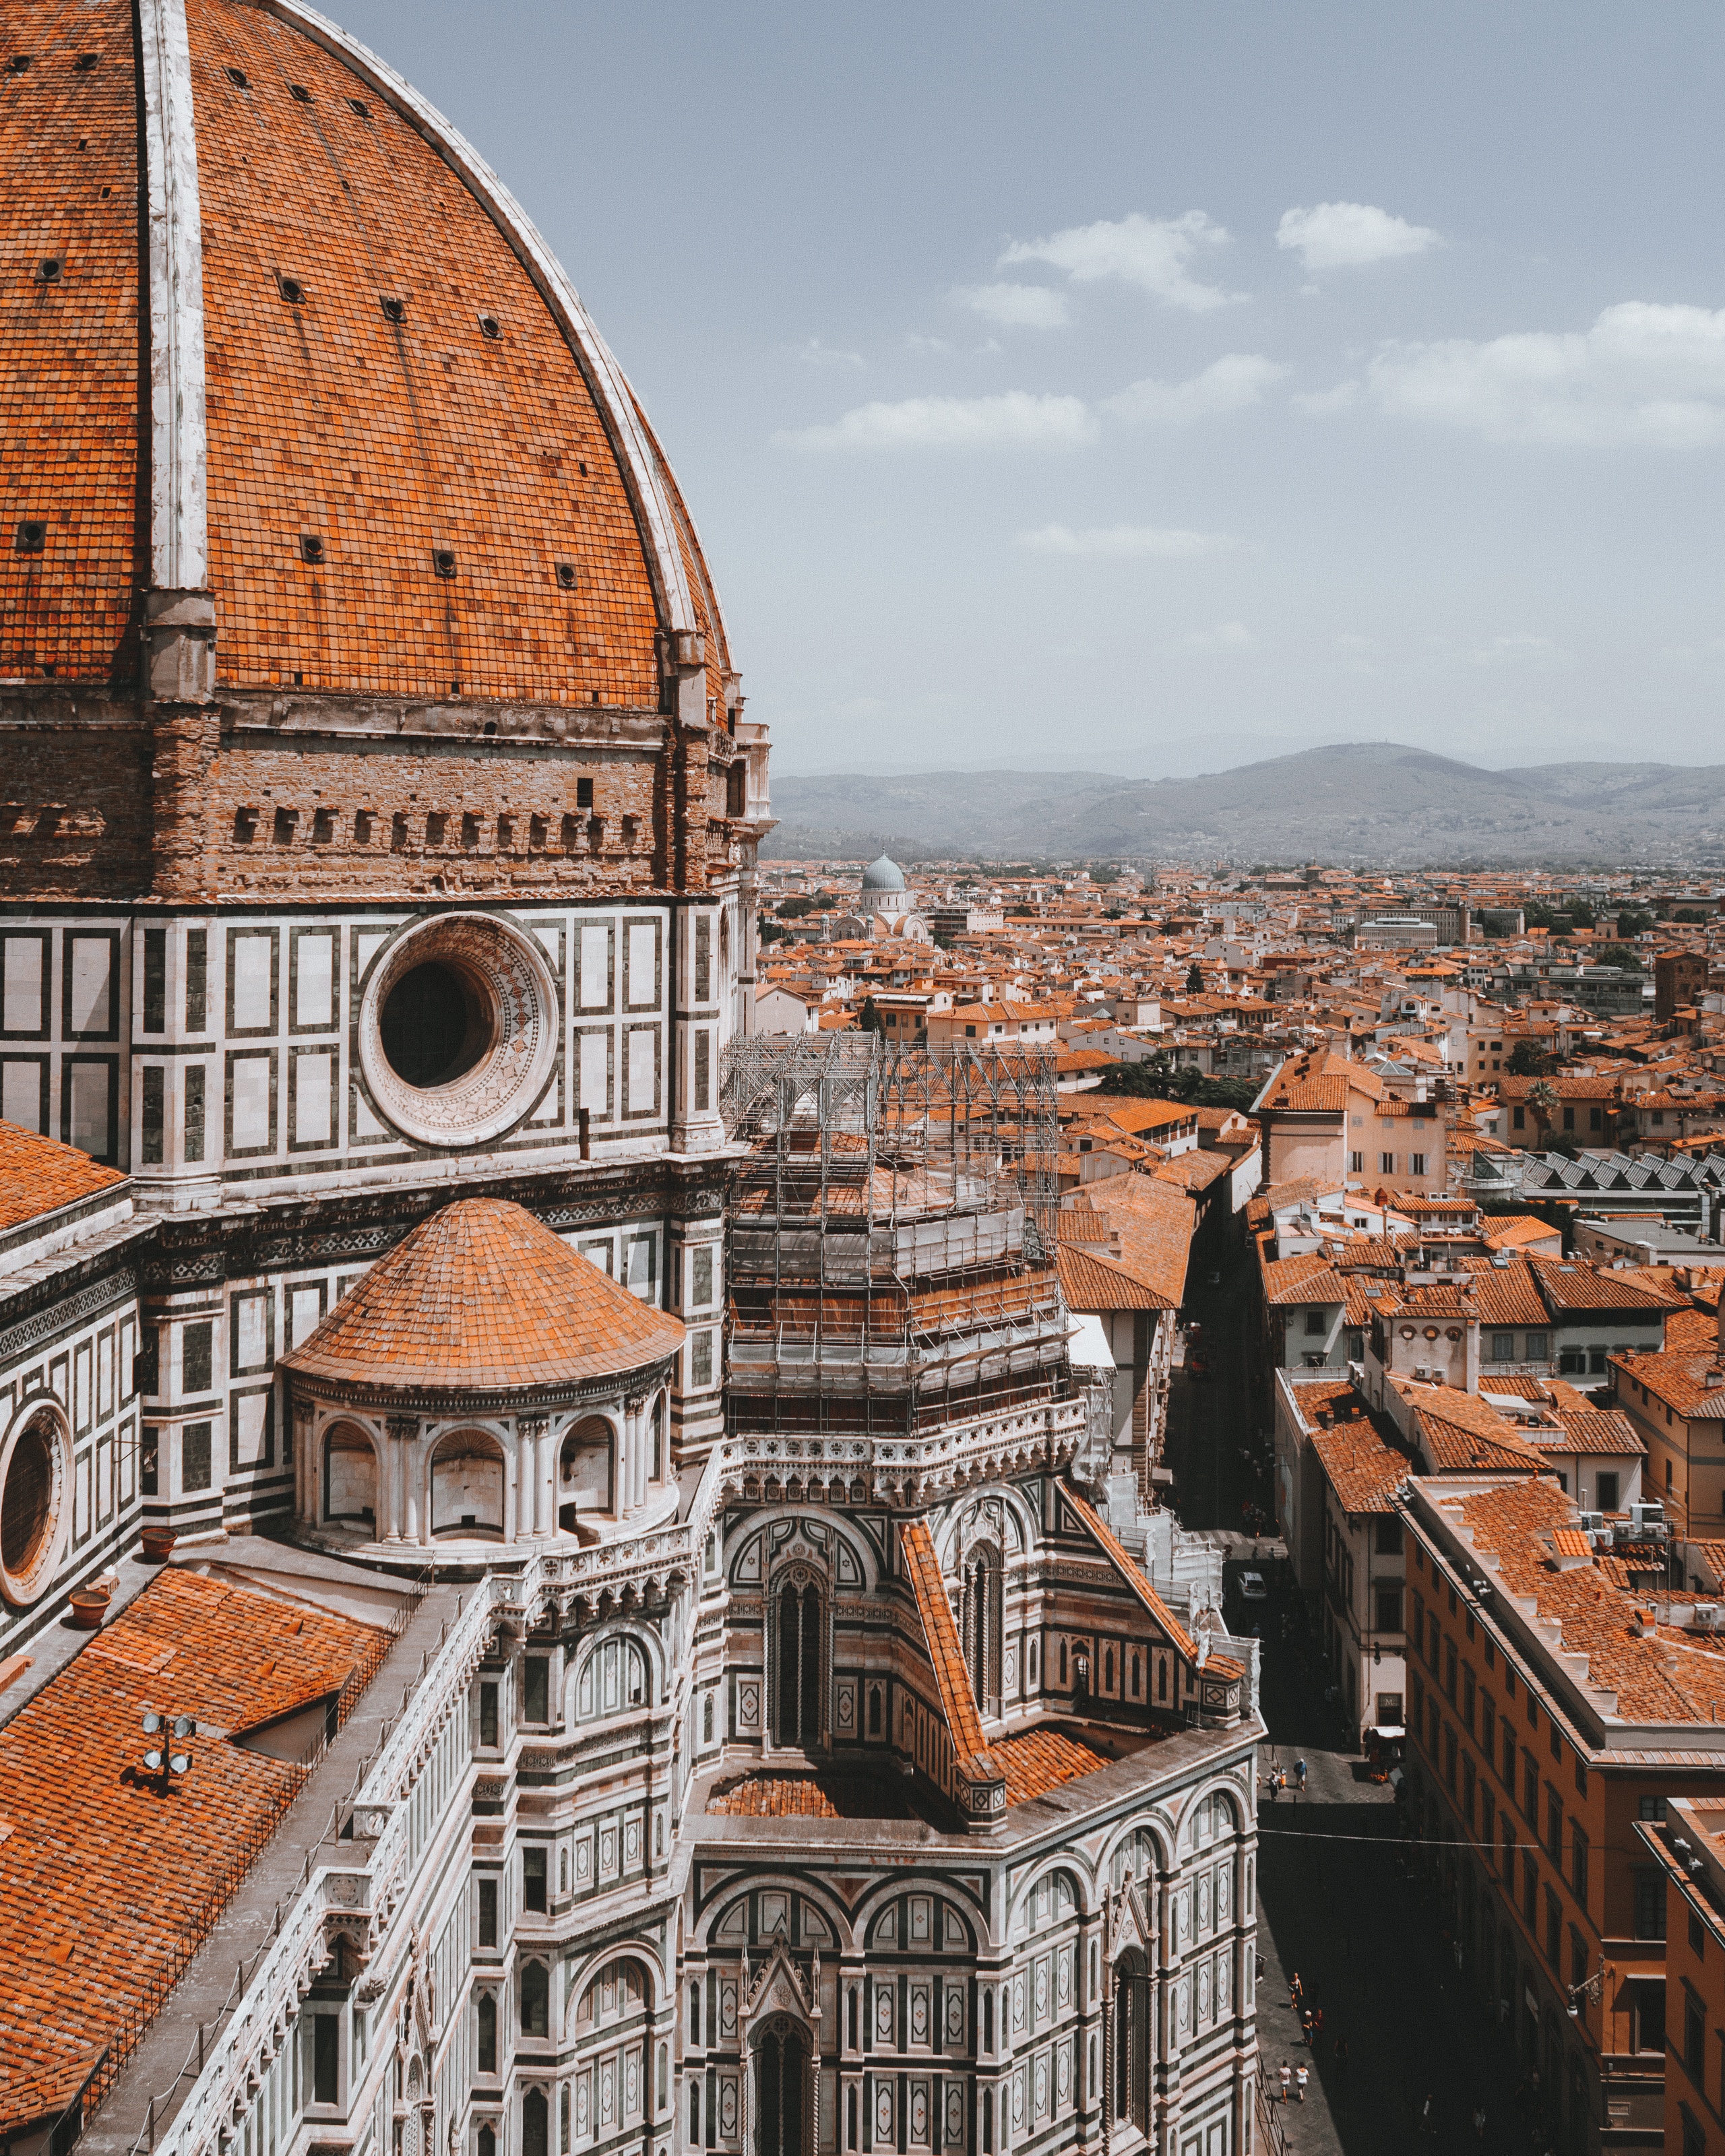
<point>483,1298</point>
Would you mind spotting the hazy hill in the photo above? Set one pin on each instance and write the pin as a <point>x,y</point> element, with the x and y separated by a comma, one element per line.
<point>1362,801</point>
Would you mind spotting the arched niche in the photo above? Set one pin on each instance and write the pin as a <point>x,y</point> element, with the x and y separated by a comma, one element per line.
<point>586,1472</point>
<point>350,1475</point>
<point>467,1480</point>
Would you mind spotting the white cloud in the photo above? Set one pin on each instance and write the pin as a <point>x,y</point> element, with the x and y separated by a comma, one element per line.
<point>1123,540</point>
<point>1017,306</point>
<point>1015,420</point>
<point>1522,653</point>
<point>1644,375</point>
<point>1225,636</point>
<point>1348,235</point>
<point>817,354</point>
<point>1229,384</point>
<point>1153,253</point>
<point>1321,403</point>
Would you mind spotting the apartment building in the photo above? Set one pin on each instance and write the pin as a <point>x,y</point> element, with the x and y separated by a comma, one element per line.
<point>1551,1711</point>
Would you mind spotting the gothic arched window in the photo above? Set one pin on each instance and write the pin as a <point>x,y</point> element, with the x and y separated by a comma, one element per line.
<point>980,1622</point>
<point>799,1656</point>
<point>1131,2042</point>
<point>781,2068</point>
<point>536,2124</point>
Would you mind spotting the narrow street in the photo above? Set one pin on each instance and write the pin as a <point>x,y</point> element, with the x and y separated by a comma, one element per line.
<point>1335,1900</point>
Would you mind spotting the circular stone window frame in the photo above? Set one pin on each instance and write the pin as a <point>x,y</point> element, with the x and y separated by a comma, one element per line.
<point>507,968</point>
<point>24,1590</point>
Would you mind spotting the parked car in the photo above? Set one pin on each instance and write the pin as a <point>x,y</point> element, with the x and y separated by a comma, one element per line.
<point>1252,1587</point>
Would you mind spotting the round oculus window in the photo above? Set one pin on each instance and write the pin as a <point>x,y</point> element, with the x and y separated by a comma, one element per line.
<point>458,1029</point>
<point>35,1476</point>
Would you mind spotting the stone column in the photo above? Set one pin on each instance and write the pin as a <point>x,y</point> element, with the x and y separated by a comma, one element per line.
<point>404,1434</point>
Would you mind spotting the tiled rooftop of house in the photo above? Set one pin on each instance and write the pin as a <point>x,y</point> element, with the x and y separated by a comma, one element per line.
<point>39,1175</point>
<point>108,1879</point>
<point>1658,1676</point>
<point>482,1297</point>
<point>821,1795</point>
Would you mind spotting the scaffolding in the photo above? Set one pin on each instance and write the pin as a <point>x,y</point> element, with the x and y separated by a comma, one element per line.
<point>887,1274</point>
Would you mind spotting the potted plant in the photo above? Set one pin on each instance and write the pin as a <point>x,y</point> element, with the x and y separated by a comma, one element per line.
<point>158,1543</point>
<point>89,1605</point>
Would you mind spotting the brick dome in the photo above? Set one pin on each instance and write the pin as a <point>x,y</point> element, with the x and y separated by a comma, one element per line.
<point>483,1298</point>
<point>401,457</point>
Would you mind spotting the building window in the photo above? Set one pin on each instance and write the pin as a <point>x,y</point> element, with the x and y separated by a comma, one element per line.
<point>536,2124</point>
<point>536,1998</point>
<point>1536,1347</point>
<point>1132,2043</point>
<point>1386,1163</point>
<point>799,1655</point>
<point>781,2070</point>
<point>1356,1163</point>
<point>980,1620</point>
<point>536,1689</point>
<point>1314,1322</point>
<point>1416,1163</point>
<point>488,1715</point>
<point>1605,1493</point>
<point>1578,1865</point>
<point>533,1881</point>
<point>1695,2035</point>
<point>1390,1608</point>
<point>488,1912</point>
<point>326,2058</point>
<point>1387,1538</point>
<point>1499,1347</point>
<point>487,2033</point>
<point>1530,1889</point>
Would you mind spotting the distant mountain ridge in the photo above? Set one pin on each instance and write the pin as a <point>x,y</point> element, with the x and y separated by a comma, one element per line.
<point>1357,803</point>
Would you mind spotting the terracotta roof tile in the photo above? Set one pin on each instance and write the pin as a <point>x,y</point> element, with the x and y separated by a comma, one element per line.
<point>1364,1469</point>
<point>39,1175</point>
<point>482,1297</point>
<point>106,1883</point>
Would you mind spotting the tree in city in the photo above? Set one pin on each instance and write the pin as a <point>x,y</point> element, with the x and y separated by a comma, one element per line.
<point>1542,1099</point>
<point>869,1019</point>
<point>1194,979</point>
<point>1620,956</point>
<point>1528,1060</point>
<point>1634,921</point>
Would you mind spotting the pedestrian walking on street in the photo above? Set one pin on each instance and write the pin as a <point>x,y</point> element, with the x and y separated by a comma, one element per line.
<point>1299,2076</point>
<point>1299,1774</point>
<point>1317,2019</point>
<point>1297,1992</point>
<point>1287,2075</point>
<point>1479,2121</point>
<point>1307,2029</point>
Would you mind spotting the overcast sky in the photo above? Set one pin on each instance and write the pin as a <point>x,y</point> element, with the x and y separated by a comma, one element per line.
<point>1145,388</point>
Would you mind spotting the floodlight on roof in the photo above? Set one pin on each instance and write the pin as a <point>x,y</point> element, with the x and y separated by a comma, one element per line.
<point>163,1725</point>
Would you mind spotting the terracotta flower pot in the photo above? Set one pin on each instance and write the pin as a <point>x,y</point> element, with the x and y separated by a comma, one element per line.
<point>158,1545</point>
<point>89,1605</point>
